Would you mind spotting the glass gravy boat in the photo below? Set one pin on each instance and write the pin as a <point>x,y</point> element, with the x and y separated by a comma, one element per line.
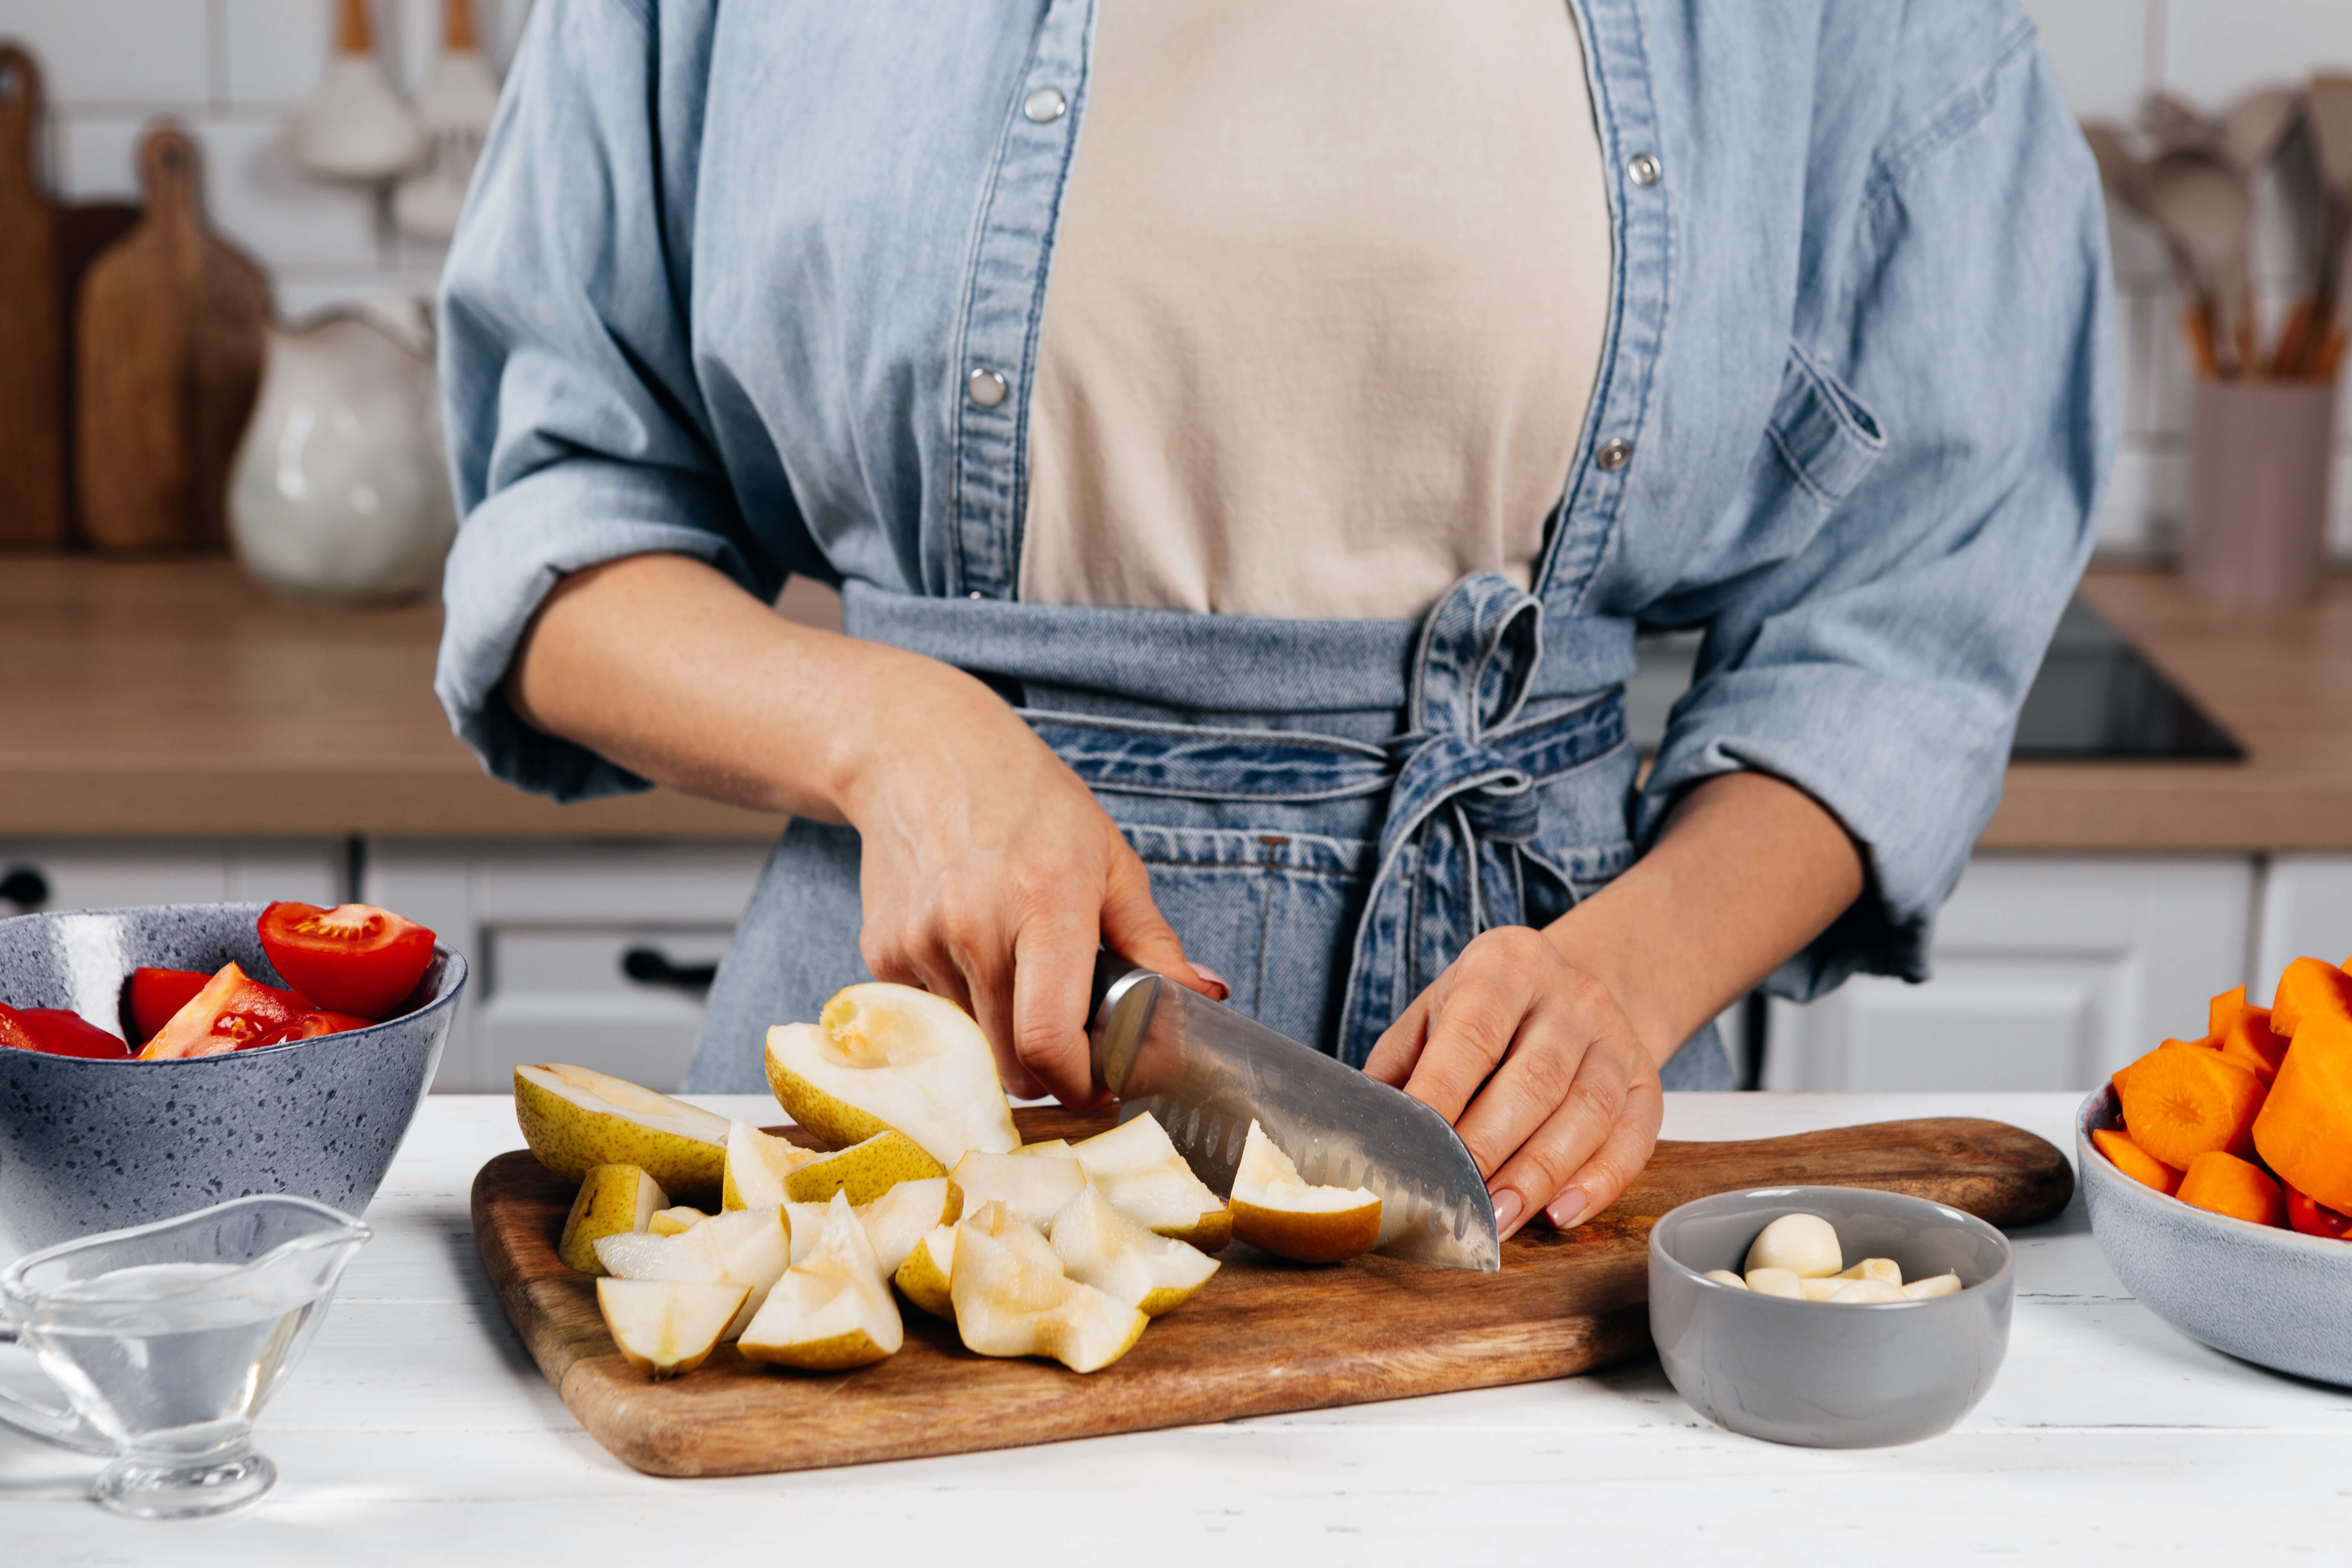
<point>168,1337</point>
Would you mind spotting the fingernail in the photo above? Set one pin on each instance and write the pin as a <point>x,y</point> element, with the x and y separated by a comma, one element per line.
<point>1509,1206</point>
<point>1213,978</point>
<point>1567,1208</point>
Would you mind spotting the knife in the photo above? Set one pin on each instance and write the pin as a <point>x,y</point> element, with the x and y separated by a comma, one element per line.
<point>1207,1071</point>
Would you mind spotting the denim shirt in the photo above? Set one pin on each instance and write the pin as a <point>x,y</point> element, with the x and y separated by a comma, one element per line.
<point>760,283</point>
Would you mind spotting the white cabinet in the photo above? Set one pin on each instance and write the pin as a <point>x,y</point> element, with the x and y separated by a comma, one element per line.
<point>548,930</point>
<point>2050,972</point>
<point>109,873</point>
<point>2306,912</point>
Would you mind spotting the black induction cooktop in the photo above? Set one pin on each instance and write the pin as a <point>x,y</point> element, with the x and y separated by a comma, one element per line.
<point>2095,700</point>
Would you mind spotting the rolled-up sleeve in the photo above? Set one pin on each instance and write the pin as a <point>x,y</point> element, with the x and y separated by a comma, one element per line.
<point>577,433</point>
<point>1940,455</point>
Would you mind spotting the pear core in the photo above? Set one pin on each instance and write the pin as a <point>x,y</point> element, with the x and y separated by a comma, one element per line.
<point>889,1058</point>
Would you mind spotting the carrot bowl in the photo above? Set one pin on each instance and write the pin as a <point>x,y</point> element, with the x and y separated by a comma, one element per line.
<point>2273,1297</point>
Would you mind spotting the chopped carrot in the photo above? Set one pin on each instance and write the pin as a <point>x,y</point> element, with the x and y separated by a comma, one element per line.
<point>2305,1131</point>
<point>2310,989</point>
<point>2135,1162</point>
<point>2222,1008</point>
<point>2182,1103</point>
<point>2248,1042</point>
<point>2227,1185</point>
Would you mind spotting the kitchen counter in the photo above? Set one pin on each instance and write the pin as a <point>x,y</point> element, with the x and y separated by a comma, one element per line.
<point>175,697</point>
<point>418,1430</point>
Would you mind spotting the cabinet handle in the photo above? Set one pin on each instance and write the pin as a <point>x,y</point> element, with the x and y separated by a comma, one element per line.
<point>651,966</point>
<point>25,887</point>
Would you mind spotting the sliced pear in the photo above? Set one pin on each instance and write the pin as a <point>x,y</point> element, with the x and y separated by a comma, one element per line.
<point>1145,1179</point>
<point>1933,1285</point>
<point>675,1221</point>
<point>929,1271</point>
<point>614,1200</point>
<point>575,1118</point>
<point>1060,1146</point>
<point>832,1311</point>
<point>757,1164</point>
<point>865,1171</point>
<point>884,1058</point>
<point>751,1248</point>
<point>1100,1247</point>
<point>1012,1298</point>
<point>1278,1210</point>
<point>897,1220</point>
<point>1033,1186</point>
<point>664,1327</point>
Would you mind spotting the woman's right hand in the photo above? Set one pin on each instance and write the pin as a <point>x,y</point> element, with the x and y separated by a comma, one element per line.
<point>990,874</point>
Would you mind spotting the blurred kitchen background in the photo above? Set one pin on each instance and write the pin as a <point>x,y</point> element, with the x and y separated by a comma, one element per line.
<point>2179,819</point>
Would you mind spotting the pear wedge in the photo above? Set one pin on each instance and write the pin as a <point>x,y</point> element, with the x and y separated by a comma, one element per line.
<point>751,1248</point>
<point>1033,1186</point>
<point>757,1165</point>
<point>614,1200</point>
<point>900,1217</point>
<point>1060,1146</point>
<point>883,1058</point>
<point>832,1312</point>
<point>664,1327</point>
<point>675,1221</point>
<point>925,1276</point>
<point>1100,1247</point>
<point>575,1117</point>
<point>1012,1298</point>
<point>865,1171</point>
<point>1276,1210</point>
<point>1145,1179</point>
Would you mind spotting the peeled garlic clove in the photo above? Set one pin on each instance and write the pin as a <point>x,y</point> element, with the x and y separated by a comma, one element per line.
<point>1725,1277</point>
<point>1865,1293</point>
<point>1821,1290</point>
<point>1934,1285</point>
<point>1775,1282</point>
<point>1803,1243</point>
<point>1885,1268</point>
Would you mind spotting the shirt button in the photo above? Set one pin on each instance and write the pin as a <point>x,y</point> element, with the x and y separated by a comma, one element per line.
<point>975,593</point>
<point>1613,455</point>
<point>1045,106</point>
<point>984,387</point>
<point>1645,169</point>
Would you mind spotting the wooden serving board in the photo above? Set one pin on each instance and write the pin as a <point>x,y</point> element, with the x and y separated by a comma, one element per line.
<point>32,335</point>
<point>1263,1336</point>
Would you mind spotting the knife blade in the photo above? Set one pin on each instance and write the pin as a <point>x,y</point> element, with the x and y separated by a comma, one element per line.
<point>1207,1071</point>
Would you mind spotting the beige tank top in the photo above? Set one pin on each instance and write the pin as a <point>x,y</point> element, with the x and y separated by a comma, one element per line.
<point>1326,304</point>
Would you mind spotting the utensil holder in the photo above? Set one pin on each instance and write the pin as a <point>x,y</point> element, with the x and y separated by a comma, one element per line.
<point>2259,461</point>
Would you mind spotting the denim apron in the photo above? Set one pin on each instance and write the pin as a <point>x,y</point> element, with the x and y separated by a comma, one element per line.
<point>1328,810</point>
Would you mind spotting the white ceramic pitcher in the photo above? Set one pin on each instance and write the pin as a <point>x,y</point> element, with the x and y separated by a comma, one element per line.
<point>341,492</point>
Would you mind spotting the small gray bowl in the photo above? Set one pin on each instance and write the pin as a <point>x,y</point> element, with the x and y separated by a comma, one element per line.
<point>86,1145</point>
<point>1812,1373</point>
<point>2275,1298</point>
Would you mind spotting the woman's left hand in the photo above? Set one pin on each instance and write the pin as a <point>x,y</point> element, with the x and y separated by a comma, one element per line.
<point>1540,1071</point>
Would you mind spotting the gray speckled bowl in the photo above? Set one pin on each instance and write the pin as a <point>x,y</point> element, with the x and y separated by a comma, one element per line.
<point>2276,1298</point>
<point>87,1146</point>
<point>1821,1376</point>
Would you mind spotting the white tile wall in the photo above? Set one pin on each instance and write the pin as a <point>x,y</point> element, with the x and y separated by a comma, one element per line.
<point>230,67</point>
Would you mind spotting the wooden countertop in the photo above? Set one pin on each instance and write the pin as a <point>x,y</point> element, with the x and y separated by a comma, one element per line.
<point>176,698</point>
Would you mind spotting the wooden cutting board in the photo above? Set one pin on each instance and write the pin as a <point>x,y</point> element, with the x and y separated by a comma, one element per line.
<point>1263,1336</point>
<point>168,349</point>
<point>32,505</point>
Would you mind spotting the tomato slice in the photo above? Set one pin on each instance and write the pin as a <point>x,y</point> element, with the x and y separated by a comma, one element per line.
<point>309,1026</point>
<point>354,958</point>
<point>151,997</point>
<point>59,1032</point>
<point>2314,1218</point>
<point>232,1010</point>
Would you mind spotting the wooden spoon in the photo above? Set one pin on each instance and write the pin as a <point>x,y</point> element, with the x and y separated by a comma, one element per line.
<point>2207,210</point>
<point>2329,113</point>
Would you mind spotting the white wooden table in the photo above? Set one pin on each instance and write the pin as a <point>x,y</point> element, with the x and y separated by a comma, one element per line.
<point>417,1430</point>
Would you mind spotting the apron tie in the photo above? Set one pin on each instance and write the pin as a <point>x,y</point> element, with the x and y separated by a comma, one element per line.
<point>1455,851</point>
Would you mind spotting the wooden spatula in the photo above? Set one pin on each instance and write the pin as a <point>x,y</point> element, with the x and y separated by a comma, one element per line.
<point>168,359</point>
<point>32,339</point>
